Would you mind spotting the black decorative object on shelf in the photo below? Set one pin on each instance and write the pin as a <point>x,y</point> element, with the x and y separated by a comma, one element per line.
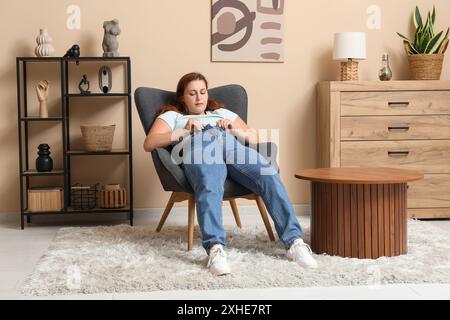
<point>44,163</point>
<point>84,85</point>
<point>105,70</point>
<point>73,52</point>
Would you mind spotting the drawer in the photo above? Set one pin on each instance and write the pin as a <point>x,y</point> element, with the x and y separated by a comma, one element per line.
<point>395,128</point>
<point>432,156</point>
<point>429,213</point>
<point>395,103</point>
<point>431,192</point>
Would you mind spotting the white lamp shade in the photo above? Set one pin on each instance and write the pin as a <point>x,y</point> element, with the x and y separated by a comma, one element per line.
<point>349,45</point>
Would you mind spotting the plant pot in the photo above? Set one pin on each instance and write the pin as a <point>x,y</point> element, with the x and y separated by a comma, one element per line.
<point>426,66</point>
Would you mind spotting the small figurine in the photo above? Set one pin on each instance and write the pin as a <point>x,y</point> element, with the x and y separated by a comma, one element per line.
<point>110,44</point>
<point>73,52</point>
<point>84,85</point>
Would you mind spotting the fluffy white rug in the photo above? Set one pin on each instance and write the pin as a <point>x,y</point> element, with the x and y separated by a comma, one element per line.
<point>124,259</point>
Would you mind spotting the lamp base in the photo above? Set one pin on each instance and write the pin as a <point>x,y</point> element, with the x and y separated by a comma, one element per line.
<point>349,70</point>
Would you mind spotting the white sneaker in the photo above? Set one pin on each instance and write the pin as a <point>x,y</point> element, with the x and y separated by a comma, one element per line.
<point>300,252</point>
<point>217,263</point>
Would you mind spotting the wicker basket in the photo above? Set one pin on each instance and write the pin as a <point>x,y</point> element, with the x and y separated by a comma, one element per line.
<point>98,138</point>
<point>426,66</point>
<point>113,196</point>
<point>45,199</point>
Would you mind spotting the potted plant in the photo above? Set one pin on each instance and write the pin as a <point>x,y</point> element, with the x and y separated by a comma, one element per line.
<point>426,51</point>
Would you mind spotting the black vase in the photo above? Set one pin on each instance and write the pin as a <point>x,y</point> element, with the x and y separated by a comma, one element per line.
<point>44,163</point>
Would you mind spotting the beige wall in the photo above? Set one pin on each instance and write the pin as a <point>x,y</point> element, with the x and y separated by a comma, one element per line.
<point>166,39</point>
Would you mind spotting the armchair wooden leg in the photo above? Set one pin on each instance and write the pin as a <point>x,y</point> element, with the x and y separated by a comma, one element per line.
<point>234,208</point>
<point>265,217</point>
<point>166,211</point>
<point>191,216</point>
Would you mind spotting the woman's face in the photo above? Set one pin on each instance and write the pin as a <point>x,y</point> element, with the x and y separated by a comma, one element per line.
<point>195,97</point>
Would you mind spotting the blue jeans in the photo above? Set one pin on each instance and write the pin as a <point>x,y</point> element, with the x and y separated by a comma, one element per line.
<point>211,155</point>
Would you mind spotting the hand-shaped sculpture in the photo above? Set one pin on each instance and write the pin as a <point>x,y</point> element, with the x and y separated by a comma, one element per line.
<point>42,92</point>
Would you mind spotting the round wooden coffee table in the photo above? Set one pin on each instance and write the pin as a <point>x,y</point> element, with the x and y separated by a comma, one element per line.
<point>359,212</point>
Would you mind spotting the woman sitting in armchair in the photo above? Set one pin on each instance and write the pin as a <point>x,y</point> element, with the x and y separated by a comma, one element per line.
<point>214,145</point>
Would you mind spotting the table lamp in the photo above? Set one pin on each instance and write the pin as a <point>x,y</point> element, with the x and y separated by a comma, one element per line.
<point>348,48</point>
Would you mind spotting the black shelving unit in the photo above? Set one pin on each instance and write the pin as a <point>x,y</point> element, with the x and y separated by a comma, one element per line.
<point>24,121</point>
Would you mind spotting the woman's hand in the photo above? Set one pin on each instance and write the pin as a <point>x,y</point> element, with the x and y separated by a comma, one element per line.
<point>179,134</point>
<point>193,125</point>
<point>224,123</point>
<point>240,130</point>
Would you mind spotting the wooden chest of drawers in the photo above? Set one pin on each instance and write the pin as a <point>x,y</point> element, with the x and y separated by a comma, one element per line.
<point>397,124</point>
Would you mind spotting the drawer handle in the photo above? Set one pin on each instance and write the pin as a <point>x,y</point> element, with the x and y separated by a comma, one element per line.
<point>401,127</point>
<point>398,153</point>
<point>398,104</point>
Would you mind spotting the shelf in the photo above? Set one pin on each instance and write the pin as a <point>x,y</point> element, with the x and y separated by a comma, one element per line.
<point>50,59</point>
<point>100,153</point>
<point>98,59</point>
<point>40,59</point>
<point>40,213</point>
<point>97,210</point>
<point>38,119</point>
<point>97,95</point>
<point>58,172</point>
<point>78,211</point>
<point>62,119</point>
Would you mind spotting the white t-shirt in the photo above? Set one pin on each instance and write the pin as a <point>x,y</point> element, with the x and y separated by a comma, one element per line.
<point>176,120</point>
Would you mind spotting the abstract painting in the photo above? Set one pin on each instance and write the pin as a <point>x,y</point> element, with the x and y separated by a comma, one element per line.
<point>247,30</point>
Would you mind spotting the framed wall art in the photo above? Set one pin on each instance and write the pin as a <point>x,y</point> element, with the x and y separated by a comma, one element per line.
<point>247,30</point>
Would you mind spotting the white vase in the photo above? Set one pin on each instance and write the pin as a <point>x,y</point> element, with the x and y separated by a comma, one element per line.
<point>44,47</point>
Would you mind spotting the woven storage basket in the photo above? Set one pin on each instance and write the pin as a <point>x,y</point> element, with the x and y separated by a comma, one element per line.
<point>113,196</point>
<point>98,138</point>
<point>45,199</point>
<point>426,66</point>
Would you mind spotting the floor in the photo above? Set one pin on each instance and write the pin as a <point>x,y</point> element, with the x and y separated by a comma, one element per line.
<point>20,250</point>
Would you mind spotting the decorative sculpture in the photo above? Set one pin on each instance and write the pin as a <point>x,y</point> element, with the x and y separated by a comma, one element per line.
<point>44,47</point>
<point>110,44</point>
<point>43,162</point>
<point>73,52</point>
<point>42,90</point>
<point>105,70</point>
<point>84,85</point>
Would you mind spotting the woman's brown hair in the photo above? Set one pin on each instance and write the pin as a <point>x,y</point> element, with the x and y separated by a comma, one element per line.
<point>178,105</point>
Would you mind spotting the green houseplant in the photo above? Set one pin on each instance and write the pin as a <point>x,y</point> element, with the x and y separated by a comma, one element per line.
<point>426,51</point>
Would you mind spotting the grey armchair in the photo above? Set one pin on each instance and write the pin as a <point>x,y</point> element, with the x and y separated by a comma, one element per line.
<point>234,97</point>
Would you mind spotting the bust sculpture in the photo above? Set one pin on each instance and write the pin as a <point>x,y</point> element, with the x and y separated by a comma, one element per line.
<point>110,44</point>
